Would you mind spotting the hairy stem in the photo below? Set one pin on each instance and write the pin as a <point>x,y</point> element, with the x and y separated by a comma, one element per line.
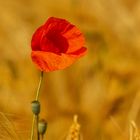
<point>37,97</point>
<point>39,86</point>
<point>37,120</point>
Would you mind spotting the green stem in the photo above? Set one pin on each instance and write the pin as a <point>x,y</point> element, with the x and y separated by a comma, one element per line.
<point>37,96</point>
<point>37,120</point>
<point>39,86</point>
<point>32,129</point>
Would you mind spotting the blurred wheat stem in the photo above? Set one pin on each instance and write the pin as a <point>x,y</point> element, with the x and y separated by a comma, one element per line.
<point>42,136</point>
<point>34,116</point>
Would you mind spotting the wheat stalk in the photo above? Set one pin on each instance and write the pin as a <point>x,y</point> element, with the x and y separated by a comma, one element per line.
<point>74,132</point>
<point>134,132</point>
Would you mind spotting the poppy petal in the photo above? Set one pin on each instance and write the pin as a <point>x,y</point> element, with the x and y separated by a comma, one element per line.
<point>48,61</point>
<point>81,52</point>
<point>56,25</point>
<point>35,43</point>
<point>75,39</point>
<point>69,31</point>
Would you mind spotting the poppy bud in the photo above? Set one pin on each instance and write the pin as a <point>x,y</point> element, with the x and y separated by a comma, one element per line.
<point>42,126</point>
<point>35,107</point>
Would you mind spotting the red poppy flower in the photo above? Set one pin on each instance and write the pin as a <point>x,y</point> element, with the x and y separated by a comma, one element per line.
<point>56,45</point>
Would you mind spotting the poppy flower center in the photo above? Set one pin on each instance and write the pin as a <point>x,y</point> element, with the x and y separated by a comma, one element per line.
<point>55,42</point>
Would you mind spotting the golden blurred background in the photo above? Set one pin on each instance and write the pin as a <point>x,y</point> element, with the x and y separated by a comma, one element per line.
<point>103,87</point>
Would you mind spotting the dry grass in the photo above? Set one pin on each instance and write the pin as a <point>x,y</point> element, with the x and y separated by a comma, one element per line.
<point>103,88</point>
<point>7,129</point>
<point>134,132</point>
<point>74,132</point>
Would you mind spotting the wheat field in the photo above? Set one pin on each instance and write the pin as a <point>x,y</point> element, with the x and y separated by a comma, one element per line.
<point>102,88</point>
